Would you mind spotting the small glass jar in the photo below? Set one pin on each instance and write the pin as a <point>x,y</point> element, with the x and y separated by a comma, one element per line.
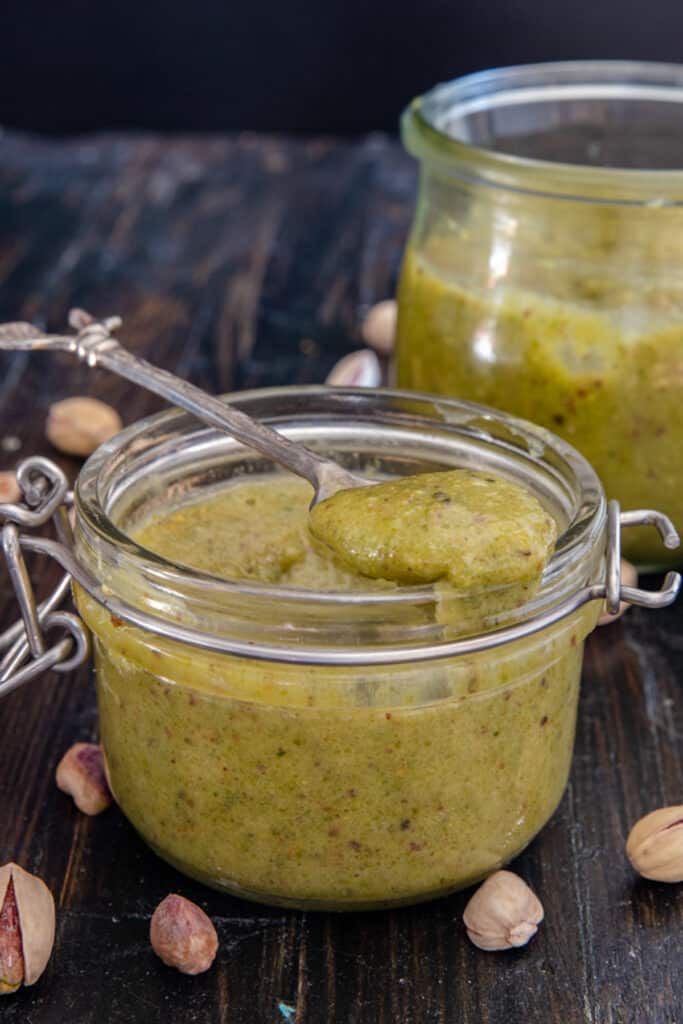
<point>544,271</point>
<point>304,764</point>
<point>313,748</point>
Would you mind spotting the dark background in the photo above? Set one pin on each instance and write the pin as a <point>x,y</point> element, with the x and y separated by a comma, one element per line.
<point>334,66</point>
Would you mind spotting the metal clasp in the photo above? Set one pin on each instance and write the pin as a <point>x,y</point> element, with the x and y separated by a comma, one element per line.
<point>615,592</point>
<point>45,490</point>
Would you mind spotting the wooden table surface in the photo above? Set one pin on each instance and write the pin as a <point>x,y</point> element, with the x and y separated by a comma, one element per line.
<point>244,262</point>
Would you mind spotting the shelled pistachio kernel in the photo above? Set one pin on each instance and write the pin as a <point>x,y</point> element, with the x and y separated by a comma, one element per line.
<point>504,913</point>
<point>81,774</point>
<point>182,935</point>
<point>77,426</point>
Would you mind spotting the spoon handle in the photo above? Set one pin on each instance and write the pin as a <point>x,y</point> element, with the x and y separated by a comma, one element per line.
<point>94,343</point>
<point>213,411</point>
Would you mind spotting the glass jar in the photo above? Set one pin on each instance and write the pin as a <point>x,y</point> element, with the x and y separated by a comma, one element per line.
<point>544,271</point>
<point>322,749</point>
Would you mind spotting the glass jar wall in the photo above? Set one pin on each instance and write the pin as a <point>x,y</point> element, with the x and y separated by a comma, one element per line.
<point>544,271</point>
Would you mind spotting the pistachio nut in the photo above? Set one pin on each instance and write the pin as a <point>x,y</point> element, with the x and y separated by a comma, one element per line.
<point>77,426</point>
<point>379,327</point>
<point>359,369</point>
<point>27,927</point>
<point>655,845</point>
<point>503,913</point>
<point>81,773</point>
<point>182,935</point>
<point>9,487</point>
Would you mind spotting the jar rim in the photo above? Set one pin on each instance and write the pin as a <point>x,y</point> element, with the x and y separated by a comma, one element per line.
<point>103,543</point>
<point>433,129</point>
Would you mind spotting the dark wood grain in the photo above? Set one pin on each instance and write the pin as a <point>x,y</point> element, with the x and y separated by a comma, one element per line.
<point>239,263</point>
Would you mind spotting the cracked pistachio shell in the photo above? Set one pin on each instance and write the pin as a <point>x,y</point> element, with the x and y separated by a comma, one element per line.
<point>36,910</point>
<point>503,913</point>
<point>655,845</point>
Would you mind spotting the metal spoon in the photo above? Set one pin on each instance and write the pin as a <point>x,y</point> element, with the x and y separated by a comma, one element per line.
<point>95,344</point>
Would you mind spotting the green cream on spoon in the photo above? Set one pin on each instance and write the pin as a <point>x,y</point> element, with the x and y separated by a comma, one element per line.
<point>464,526</point>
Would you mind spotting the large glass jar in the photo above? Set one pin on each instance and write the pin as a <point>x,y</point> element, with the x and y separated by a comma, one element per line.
<point>544,271</point>
<point>317,749</point>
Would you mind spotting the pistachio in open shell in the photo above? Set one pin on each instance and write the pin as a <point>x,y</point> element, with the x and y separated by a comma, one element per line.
<point>359,369</point>
<point>27,927</point>
<point>79,425</point>
<point>655,845</point>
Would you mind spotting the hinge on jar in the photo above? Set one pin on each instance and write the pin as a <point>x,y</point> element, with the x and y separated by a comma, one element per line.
<point>44,490</point>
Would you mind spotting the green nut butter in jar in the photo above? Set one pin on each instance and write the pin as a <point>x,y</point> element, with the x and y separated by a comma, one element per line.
<point>282,729</point>
<point>544,270</point>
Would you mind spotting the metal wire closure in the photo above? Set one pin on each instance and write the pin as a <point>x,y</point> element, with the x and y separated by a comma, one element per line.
<point>45,489</point>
